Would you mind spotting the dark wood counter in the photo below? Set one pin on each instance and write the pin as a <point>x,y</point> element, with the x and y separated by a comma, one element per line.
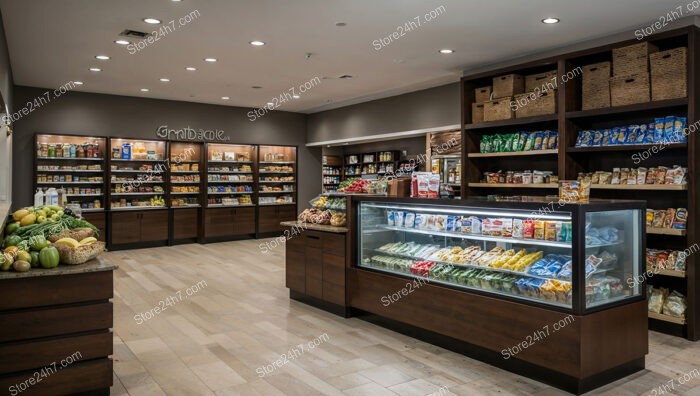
<point>56,336</point>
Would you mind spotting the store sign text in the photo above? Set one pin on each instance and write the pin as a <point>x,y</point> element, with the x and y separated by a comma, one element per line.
<point>187,133</point>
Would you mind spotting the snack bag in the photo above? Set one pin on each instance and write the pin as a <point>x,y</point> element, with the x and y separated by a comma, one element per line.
<point>507,143</point>
<point>517,228</point>
<point>641,175</point>
<point>579,139</point>
<point>587,138</point>
<point>607,137</point>
<point>529,142</point>
<point>528,229</point>
<point>622,135</point>
<point>597,138</point>
<point>681,219</point>
<point>668,129</point>
<point>615,176</point>
<point>659,130</point>
<point>633,135</point>
<point>538,141</point>
<point>679,125</point>
<point>485,144</point>
<point>539,229</point>
<point>553,142</point>
<point>521,141</point>
<point>409,220</point>
<point>614,135</point>
<point>647,137</point>
<point>545,140</point>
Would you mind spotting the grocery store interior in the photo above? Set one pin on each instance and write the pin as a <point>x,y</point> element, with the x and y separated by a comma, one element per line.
<point>395,197</point>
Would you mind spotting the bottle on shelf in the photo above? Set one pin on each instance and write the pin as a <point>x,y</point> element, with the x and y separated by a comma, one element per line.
<point>39,197</point>
<point>62,199</point>
<point>51,197</point>
<point>72,150</point>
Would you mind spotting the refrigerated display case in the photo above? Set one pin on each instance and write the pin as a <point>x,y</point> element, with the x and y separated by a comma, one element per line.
<point>482,275</point>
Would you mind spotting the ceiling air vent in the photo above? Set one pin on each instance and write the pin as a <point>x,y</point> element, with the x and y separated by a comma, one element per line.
<point>345,77</point>
<point>133,34</point>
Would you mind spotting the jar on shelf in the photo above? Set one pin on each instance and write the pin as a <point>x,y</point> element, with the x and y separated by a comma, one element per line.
<point>66,151</point>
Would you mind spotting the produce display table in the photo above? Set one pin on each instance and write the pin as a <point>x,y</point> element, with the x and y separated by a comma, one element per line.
<point>56,336</point>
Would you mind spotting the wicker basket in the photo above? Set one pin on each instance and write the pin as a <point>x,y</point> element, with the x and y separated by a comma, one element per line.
<point>80,254</point>
<point>543,81</point>
<point>669,74</point>
<point>633,59</point>
<point>482,94</point>
<point>78,234</point>
<point>631,89</point>
<point>507,86</point>
<point>595,86</point>
<point>544,103</point>
<point>499,109</point>
<point>477,112</point>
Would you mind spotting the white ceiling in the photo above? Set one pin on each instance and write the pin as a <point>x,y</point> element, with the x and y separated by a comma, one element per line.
<point>52,42</point>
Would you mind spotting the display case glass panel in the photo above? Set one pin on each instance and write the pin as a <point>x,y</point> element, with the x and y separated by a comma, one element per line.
<point>277,169</point>
<point>523,254</point>
<point>137,174</point>
<point>185,174</point>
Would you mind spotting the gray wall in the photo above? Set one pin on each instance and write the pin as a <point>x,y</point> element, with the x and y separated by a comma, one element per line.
<point>6,80</point>
<point>122,116</point>
<point>429,108</point>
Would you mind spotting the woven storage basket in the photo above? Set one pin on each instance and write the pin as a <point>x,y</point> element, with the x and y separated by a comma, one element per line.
<point>78,234</point>
<point>545,103</point>
<point>631,89</point>
<point>482,94</point>
<point>595,86</point>
<point>543,81</point>
<point>633,59</point>
<point>669,74</point>
<point>477,112</point>
<point>498,109</point>
<point>507,86</point>
<point>80,254</point>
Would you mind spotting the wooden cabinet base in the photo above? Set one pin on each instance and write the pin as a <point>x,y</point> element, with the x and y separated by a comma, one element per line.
<point>226,224</point>
<point>186,224</point>
<point>575,353</point>
<point>138,228</point>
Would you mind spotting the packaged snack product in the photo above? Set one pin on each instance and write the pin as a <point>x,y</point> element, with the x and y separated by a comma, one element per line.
<point>529,142</point>
<point>597,138</point>
<point>632,132</point>
<point>669,217</point>
<point>668,129</point>
<point>660,176</point>
<point>679,133</point>
<point>586,138</point>
<point>569,190</point>
<point>528,229</point>
<point>421,221</point>
<point>651,175</point>
<point>550,230</point>
<point>624,175</point>
<point>506,227</point>
<point>545,140</point>
<point>640,133</point>
<point>451,224</point>
<point>517,228</point>
<point>659,129</point>
<point>527,177</point>
<point>399,218</point>
<point>650,217</point>
<point>553,142</point>
<point>537,144</point>
<point>539,229</point>
<point>632,178</point>
<point>595,178</point>
<point>615,179</point>
<point>390,217</point>
<point>614,135</point>
<point>605,177</point>
<point>622,135</point>
<point>675,305</point>
<point>659,216</point>
<point>681,218</point>
<point>646,137</point>
<point>409,220</point>
<point>641,175</point>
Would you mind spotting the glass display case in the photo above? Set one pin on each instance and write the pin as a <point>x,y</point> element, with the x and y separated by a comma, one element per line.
<point>185,174</point>
<point>230,175</point>
<point>137,174</point>
<point>570,256</point>
<point>277,170</point>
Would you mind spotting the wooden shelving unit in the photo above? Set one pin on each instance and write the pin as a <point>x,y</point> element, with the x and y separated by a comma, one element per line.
<point>666,318</point>
<point>513,185</point>
<point>277,188</point>
<point>372,165</point>
<point>568,120</point>
<point>513,154</point>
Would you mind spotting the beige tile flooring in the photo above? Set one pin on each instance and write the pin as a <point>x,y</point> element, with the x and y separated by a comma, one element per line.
<point>218,340</point>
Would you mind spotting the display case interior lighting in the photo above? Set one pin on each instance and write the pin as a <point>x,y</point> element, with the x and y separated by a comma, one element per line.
<point>496,212</point>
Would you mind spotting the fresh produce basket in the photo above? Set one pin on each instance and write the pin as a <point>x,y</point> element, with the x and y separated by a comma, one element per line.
<point>81,254</point>
<point>78,234</point>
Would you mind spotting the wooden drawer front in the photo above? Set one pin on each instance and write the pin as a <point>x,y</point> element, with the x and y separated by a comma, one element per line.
<point>313,239</point>
<point>334,269</point>
<point>154,225</point>
<point>55,290</point>
<point>334,244</point>
<point>218,222</point>
<point>314,272</point>
<point>32,354</point>
<point>125,228</point>
<point>185,223</point>
<point>333,293</point>
<point>99,221</point>
<point>295,274</point>
<point>74,378</point>
<point>54,321</point>
<point>244,221</point>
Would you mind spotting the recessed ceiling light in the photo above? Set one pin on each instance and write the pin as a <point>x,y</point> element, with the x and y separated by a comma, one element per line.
<point>550,20</point>
<point>95,69</point>
<point>212,60</point>
<point>340,24</point>
<point>296,96</point>
<point>176,1</point>
<point>270,104</point>
<point>78,82</point>
<point>145,89</point>
<point>190,68</point>
<point>102,57</point>
<point>225,98</point>
<point>257,43</point>
<point>164,79</point>
<point>122,42</point>
<point>151,21</point>
<point>446,51</point>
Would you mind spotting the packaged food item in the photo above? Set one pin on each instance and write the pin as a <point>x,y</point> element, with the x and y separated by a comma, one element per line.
<point>409,220</point>
<point>539,229</point>
<point>659,216</point>
<point>529,142</point>
<point>553,142</point>
<point>650,217</point>
<point>528,229</point>
<point>390,217</point>
<point>550,230</point>
<point>641,176</point>
<point>569,190</point>
<point>586,138</point>
<point>579,139</point>
<point>584,192</point>
<point>607,137</point>
<point>622,135</point>
<point>517,228</point>
<point>421,221</point>
<point>451,224</point>
<point>399,218</point>
<point>597,138</point>
<point>632,132</point>
<point>668,129</point>
<point>640,133</point>
<point>681,219</point>
<point>605,177</point>
<point>675,305</point>
<point>669,218</point>
<point>545,140</point>
<point>433,185</point>
<point>538,177</point>
<point>506,227</point>
<point>522,137</point>
<point>632,178</point>
<point>614,136</point>
<point>616,175</point>
<point>646,136</point>
<point>679,264</point>
<point>679,132</point>
<point>660,176</point>
<point>624,175</point>
<point>659,129</point>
